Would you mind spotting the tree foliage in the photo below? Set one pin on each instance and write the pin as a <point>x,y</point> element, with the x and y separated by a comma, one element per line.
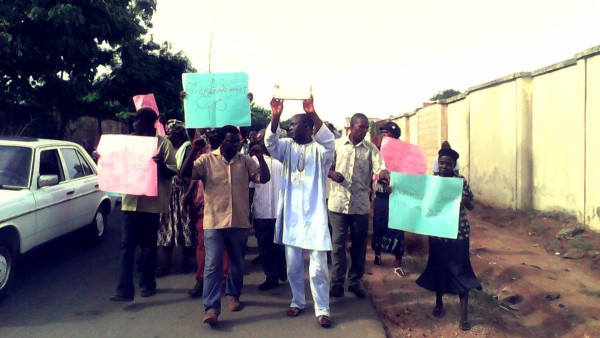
<point>62,59</point>
<point>441,95</point>
<point>285,125</point>
<point>260,117</point>
<point>141,68</point>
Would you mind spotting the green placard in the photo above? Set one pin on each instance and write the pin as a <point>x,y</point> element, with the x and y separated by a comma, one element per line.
<point>216,99</point>
<point>424,204</point>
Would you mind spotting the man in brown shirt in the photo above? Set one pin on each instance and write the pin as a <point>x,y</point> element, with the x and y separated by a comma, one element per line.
<point>141,215</point>
<point>226,175</point>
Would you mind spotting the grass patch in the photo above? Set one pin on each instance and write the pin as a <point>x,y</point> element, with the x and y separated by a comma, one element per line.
<point>556,246</point>
<point>483,299</point>
<point>583,289</point>
<point>582,244</point>
<point>558,216</point>
<point>538,228</point>
<point>588,292</point>
<point>490,303</point>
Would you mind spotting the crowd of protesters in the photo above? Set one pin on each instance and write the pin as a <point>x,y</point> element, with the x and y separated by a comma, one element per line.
<point>304,191</point>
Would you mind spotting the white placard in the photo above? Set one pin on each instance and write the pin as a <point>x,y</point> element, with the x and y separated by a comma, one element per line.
<point>287,92</point>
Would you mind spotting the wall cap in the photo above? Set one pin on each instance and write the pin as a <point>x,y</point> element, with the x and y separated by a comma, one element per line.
<point>588,53</point>
<point>498,81</point>
<point>455,98</point>
<point>554,67</point>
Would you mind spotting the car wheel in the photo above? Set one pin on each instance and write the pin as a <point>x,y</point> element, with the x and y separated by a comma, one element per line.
<point>97,229</point>
<point>7,260</point>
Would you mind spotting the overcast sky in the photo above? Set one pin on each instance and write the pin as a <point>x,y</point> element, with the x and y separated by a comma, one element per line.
<point>379,57</point>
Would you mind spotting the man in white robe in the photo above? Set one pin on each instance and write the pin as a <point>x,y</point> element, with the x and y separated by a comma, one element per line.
<point>302,211</point>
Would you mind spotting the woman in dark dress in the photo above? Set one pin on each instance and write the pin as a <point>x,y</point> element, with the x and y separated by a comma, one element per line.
<point>384,239</point>
<point>449,268</point>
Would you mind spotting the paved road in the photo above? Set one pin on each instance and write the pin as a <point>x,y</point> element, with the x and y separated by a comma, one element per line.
<point>62,289</point>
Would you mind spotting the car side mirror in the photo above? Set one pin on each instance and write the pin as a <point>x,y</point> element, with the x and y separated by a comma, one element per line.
<point>47,180</point>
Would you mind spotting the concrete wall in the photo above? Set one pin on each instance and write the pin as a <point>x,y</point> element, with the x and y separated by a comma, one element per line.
<point>592,141</point>
<point>558,139</point>
<point>492,157</point>
<point>404,122</point>
<point>527,140</point>
<point>459,131</point>
<point>524,150</point>
<point>430,131</point>
<point>413,124</point>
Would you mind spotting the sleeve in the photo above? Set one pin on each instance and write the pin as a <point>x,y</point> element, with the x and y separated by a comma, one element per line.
<point>253,169</point>
<point>377,160</point>
<point>252,185</point>
<point>199,170</point>
<point>333,159</point>
<point>199,198</point>
<point>467,190</point>
<point>325,137</point>
<point>187,151</point>
<point>168,152</point>
<point>274,144</point>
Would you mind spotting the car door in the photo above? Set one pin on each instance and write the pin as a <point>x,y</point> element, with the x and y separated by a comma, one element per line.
<point>53,212</point>
<point>84,182</point>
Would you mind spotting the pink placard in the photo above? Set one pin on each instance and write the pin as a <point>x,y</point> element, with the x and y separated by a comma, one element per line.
<point>126,165</point>
<point>148,100</point>
<point>403,157</point>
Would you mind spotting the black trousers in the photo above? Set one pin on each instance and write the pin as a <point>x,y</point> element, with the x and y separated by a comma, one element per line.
<point>272,254</point>
<point>139,228</point>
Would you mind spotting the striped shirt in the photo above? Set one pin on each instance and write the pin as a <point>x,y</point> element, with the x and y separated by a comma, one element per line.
<point>357,163</point>
<point>266,196</point>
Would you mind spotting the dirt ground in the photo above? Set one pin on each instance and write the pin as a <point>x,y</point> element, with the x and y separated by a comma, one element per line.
<point>534,285</point>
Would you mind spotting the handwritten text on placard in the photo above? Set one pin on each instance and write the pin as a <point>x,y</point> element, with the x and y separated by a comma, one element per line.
<point>216,99</point>
<point>426,205</point>
<point>126,164</point>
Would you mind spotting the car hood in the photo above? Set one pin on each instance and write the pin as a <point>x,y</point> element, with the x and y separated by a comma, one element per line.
<point>14,202</point>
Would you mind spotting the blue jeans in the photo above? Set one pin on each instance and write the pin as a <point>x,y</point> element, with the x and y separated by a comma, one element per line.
<point>215,241</point>
<point>139,228</point>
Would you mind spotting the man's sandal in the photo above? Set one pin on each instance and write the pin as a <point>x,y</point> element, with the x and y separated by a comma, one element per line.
<point>399,272</point>
<point>294,312</point>
<point>324,321</point>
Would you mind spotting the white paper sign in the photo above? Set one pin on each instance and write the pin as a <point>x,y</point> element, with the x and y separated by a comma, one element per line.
<point>287,92</point>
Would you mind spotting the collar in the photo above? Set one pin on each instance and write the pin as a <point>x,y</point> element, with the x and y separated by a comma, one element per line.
<point>346,140</point>
<point>220,156</point>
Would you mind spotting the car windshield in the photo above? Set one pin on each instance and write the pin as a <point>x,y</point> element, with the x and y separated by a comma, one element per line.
<point>15,167</point>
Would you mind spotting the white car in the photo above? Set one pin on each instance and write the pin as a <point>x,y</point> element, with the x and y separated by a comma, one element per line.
<point>47,188</point>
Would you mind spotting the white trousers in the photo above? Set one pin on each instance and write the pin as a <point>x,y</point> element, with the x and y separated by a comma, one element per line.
<point>319,278</point>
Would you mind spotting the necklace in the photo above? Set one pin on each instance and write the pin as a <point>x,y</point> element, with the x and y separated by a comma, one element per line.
<point>301,162</point>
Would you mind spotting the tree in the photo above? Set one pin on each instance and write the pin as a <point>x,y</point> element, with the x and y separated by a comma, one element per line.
<point>260,117</point>
<point>285,125</point>
<point>142,68</point>
<point>441,95</point>
<point>53,50</point>
<point>62,59</point>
